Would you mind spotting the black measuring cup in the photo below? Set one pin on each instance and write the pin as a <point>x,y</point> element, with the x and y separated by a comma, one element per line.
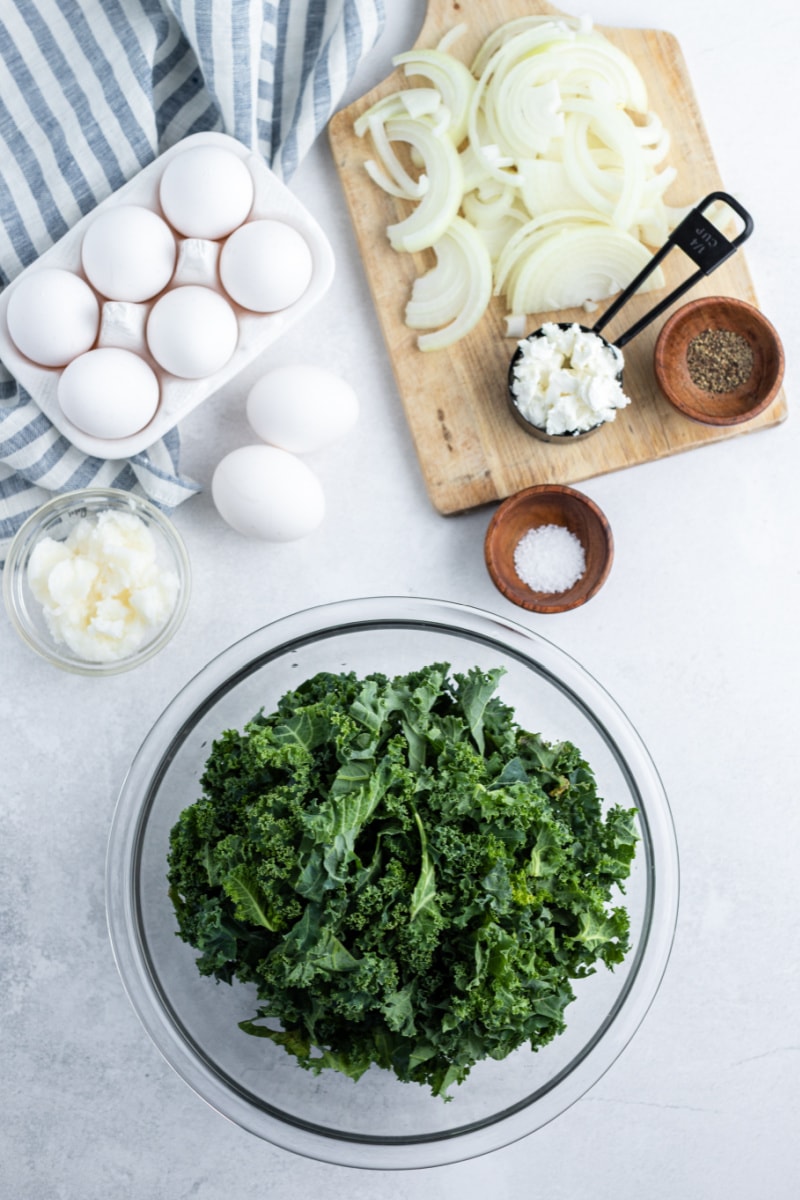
<point>705,245</point>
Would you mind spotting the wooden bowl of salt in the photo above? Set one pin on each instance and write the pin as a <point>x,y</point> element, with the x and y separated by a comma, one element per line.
<point>719,361</point>
<point>548,548</point>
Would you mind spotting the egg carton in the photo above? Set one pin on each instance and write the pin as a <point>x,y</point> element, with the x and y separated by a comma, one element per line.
<point>256,331</point>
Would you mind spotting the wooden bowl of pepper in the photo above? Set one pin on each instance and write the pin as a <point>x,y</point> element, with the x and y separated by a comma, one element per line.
<point>718,360</point>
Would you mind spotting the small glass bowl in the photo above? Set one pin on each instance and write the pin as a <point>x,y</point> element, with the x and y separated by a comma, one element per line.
<point>56,519</point>
<point>379,1123</point>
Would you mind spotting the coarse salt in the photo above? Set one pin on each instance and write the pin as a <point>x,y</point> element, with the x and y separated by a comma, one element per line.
<point>549,558</point>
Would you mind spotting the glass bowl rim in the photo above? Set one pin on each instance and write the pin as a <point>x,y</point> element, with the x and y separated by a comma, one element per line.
<point>130,816</point>
<point>93,498</point>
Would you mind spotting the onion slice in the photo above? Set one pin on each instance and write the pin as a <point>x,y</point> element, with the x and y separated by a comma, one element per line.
<point>577,264</point>
<point>536,173</point>
<point>465,254</point>
<point>450,76</point>
<point>440,204</point>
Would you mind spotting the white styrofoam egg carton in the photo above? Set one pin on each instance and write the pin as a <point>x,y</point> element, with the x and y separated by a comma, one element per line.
<point>256,331</point>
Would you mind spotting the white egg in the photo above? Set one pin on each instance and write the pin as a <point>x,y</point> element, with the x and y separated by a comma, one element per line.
<point>265,492</point>
<point>108,393</point>
<point>128,253</point>
<point>266,265</point>
<point>301,408</point>
<point>53,316</point>
<point>192,332</point>
<point>206,192</point>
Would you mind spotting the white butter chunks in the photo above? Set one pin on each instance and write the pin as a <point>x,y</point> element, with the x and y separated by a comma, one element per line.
<point>103,590</point>
<point>264,492</point>
<point>301,408</point>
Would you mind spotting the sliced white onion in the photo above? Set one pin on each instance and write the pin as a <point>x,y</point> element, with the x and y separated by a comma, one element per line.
<point>451,37</point>
<point>529,234</point>
<point>616,130</point>
<point>416,102</point>
<point>541,165</point>
<point>592,56</point>
<point>440,204</point>
<point>450,76</point>
<point>527,115</point>
<point>515,325</point>
<point>389,185</point>
<point>528,42</point>
<point>546,186</point>
<point>476,271</point>
<point>439,294</point>
<point>576,264</point>
<point>488,203</point>
<point>497,234</point>
<point>412,189</point>
<point>511,29</point>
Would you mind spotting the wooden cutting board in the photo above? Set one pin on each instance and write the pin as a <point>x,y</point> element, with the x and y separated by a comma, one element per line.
<point>470,449</point>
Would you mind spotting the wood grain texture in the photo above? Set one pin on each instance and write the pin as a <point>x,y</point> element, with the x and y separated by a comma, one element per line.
<point>470,449</point>
<point>531,508</point>
<point>671,366</point>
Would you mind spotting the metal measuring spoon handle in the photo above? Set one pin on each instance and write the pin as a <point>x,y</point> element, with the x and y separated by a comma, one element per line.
<point>702,241</point>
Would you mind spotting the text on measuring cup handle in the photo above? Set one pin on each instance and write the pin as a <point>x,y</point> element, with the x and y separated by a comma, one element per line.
<point>702,241</point>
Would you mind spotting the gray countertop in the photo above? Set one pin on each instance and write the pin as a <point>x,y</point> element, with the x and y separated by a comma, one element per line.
<point>695,635</point>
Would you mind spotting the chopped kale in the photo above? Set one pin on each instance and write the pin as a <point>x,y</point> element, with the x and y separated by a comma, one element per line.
<point>406,876</point>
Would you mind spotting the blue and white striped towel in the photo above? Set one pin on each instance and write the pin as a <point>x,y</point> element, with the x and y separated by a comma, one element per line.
<point>91,91</point>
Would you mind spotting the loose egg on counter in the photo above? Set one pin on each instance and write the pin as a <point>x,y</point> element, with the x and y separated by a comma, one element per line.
<point>108,393</point>
<point>128,253</point>
<point>206,192</point>
<point>265,492</point>
<point>53,316</point>
<point>301,408</point>
<point>265,265</point>
<point>192,332</point>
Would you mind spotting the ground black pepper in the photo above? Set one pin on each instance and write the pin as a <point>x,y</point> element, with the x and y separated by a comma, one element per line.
<point>719,360</point>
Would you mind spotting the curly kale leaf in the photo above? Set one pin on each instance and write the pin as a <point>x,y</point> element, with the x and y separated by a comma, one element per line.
<point>406,876</point>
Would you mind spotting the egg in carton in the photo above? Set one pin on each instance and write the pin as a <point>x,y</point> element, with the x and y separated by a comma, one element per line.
<point>160,296</point>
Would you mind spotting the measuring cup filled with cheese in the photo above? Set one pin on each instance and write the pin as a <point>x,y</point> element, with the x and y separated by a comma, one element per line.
<point>565,381</point>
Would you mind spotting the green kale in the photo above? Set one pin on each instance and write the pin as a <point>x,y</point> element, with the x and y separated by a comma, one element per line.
<point>406,876</point>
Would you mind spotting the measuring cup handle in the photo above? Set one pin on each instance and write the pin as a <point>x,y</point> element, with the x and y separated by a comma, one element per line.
<point>702,241</point>
<point>739,209</point>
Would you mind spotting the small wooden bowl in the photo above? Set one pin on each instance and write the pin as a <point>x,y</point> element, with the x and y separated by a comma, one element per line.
<point>548,504</point>
<point>719,408</point>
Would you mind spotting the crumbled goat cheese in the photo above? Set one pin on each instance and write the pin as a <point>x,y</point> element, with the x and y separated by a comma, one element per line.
<point>565,380</point>
<point>549,558</point>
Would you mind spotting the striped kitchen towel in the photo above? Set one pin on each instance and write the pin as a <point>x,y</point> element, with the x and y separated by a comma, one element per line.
<point>91,91</point>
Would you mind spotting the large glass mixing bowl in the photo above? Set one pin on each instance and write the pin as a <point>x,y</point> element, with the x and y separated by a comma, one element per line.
<point>379,1122</point>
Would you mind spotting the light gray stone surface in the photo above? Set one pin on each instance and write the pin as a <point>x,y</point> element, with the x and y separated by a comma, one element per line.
<point>695,635</point>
